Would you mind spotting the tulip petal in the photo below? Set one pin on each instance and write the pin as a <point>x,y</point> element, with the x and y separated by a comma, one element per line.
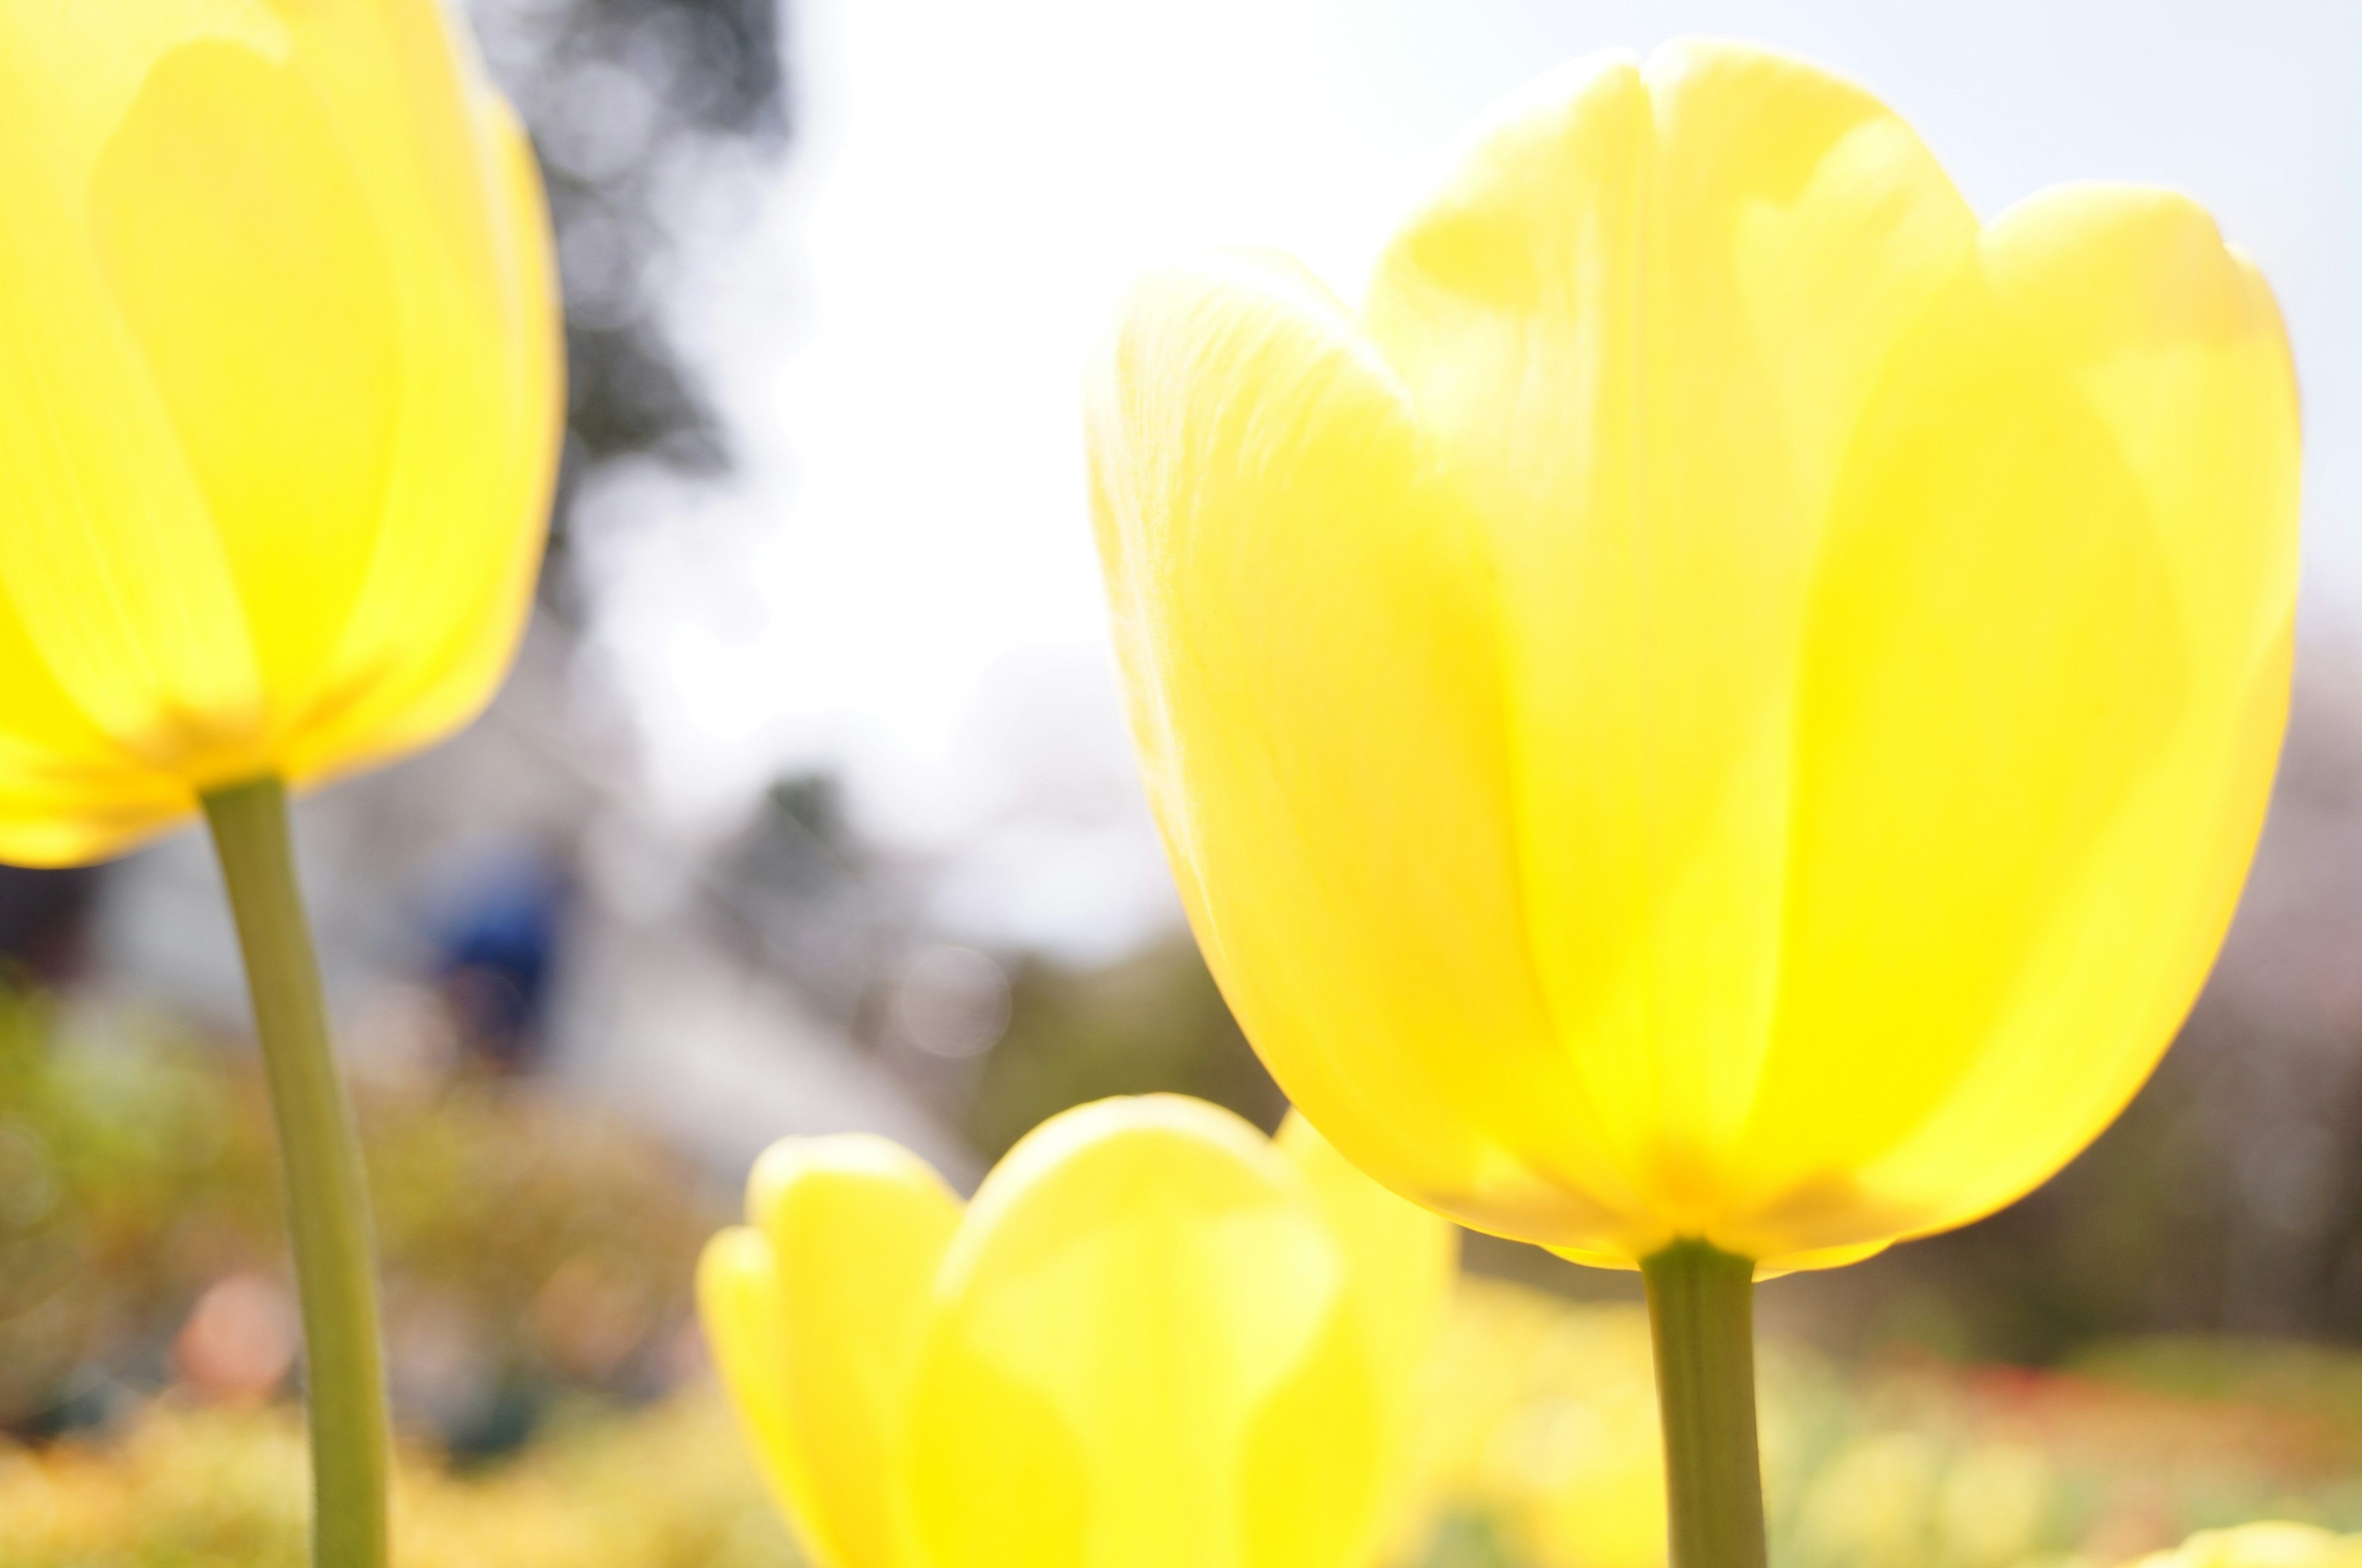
<point>1643,317</point>
<point>2175,343</point>
<point>68,85</point>
<point>1402,1262</point>
<point>122,631</point>
<point>1143,1357</point>
<point>1305,618</point>
<point>739,1307</point>
<point>69,793</point>
<point>1402,1259</point>
<point>451,582</point>
<point>816,1313</point>
<point>238,243</point>
<point>54,814</point>
<point>2043,693</point>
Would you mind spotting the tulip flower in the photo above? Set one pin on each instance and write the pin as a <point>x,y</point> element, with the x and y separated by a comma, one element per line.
<point>278,397</point>
<point>1720,717</point>
<point>1155,1338</point>
<point>278,404</point>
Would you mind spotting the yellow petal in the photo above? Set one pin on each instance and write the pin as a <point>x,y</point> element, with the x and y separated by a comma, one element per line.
<point>1401,1260</point>
<point>120,603</point>
<point>455,192</point>
<point>235,238</point>
<point>459,195</point>
<point>2044,693</point>
<point>816,1313</point>
<point>1642,316</point>
<point>452,580</point>
<point>1143,1357</point>
<point>69,793</point>
<point>1401,1264</point>
<point>1304,612</point>
<point>738,1305</point>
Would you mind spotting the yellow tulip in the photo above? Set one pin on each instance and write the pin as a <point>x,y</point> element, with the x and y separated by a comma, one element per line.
<point>1153,1338</point>
<point>1730,700</point>
<point>279,399</point>
<point>2262,1546</point>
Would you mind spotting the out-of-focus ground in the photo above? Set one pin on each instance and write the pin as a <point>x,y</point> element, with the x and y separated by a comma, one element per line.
<point>1536,1449</point>
<point>583,969</point>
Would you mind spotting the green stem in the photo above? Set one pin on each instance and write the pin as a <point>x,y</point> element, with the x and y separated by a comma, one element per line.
<point>1702,1316</point>
<point>328,1200</point>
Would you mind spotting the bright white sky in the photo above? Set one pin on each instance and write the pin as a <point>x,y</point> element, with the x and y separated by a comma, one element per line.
<point>901,583</point>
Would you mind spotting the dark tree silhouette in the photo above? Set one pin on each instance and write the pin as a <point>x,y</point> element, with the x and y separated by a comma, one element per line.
<point>621,97</point>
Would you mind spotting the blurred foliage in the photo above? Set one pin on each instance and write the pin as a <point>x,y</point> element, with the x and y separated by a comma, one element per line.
<point>528,1247</point>
<point>1538,1451</point>
<point>2319,1384</point>
<point>1541,1449</point>
<point>130,1177</point>
<point>628,101</point>
<point>195,1487</point>
<point>809,899</point>
<point>1152,1021</point>
<point>538,1257</point>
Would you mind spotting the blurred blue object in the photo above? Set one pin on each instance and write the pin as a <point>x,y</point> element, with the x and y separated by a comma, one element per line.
<point>496,948</point>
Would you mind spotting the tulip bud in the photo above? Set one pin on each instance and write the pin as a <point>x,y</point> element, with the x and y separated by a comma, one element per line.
<point>1154,1339</point>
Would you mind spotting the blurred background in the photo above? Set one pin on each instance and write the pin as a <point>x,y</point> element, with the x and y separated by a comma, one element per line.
<point>809,807</point>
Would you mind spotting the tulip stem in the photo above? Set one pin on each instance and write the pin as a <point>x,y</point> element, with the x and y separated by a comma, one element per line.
<point>328,1200</point>
<point>1701,1316</point>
